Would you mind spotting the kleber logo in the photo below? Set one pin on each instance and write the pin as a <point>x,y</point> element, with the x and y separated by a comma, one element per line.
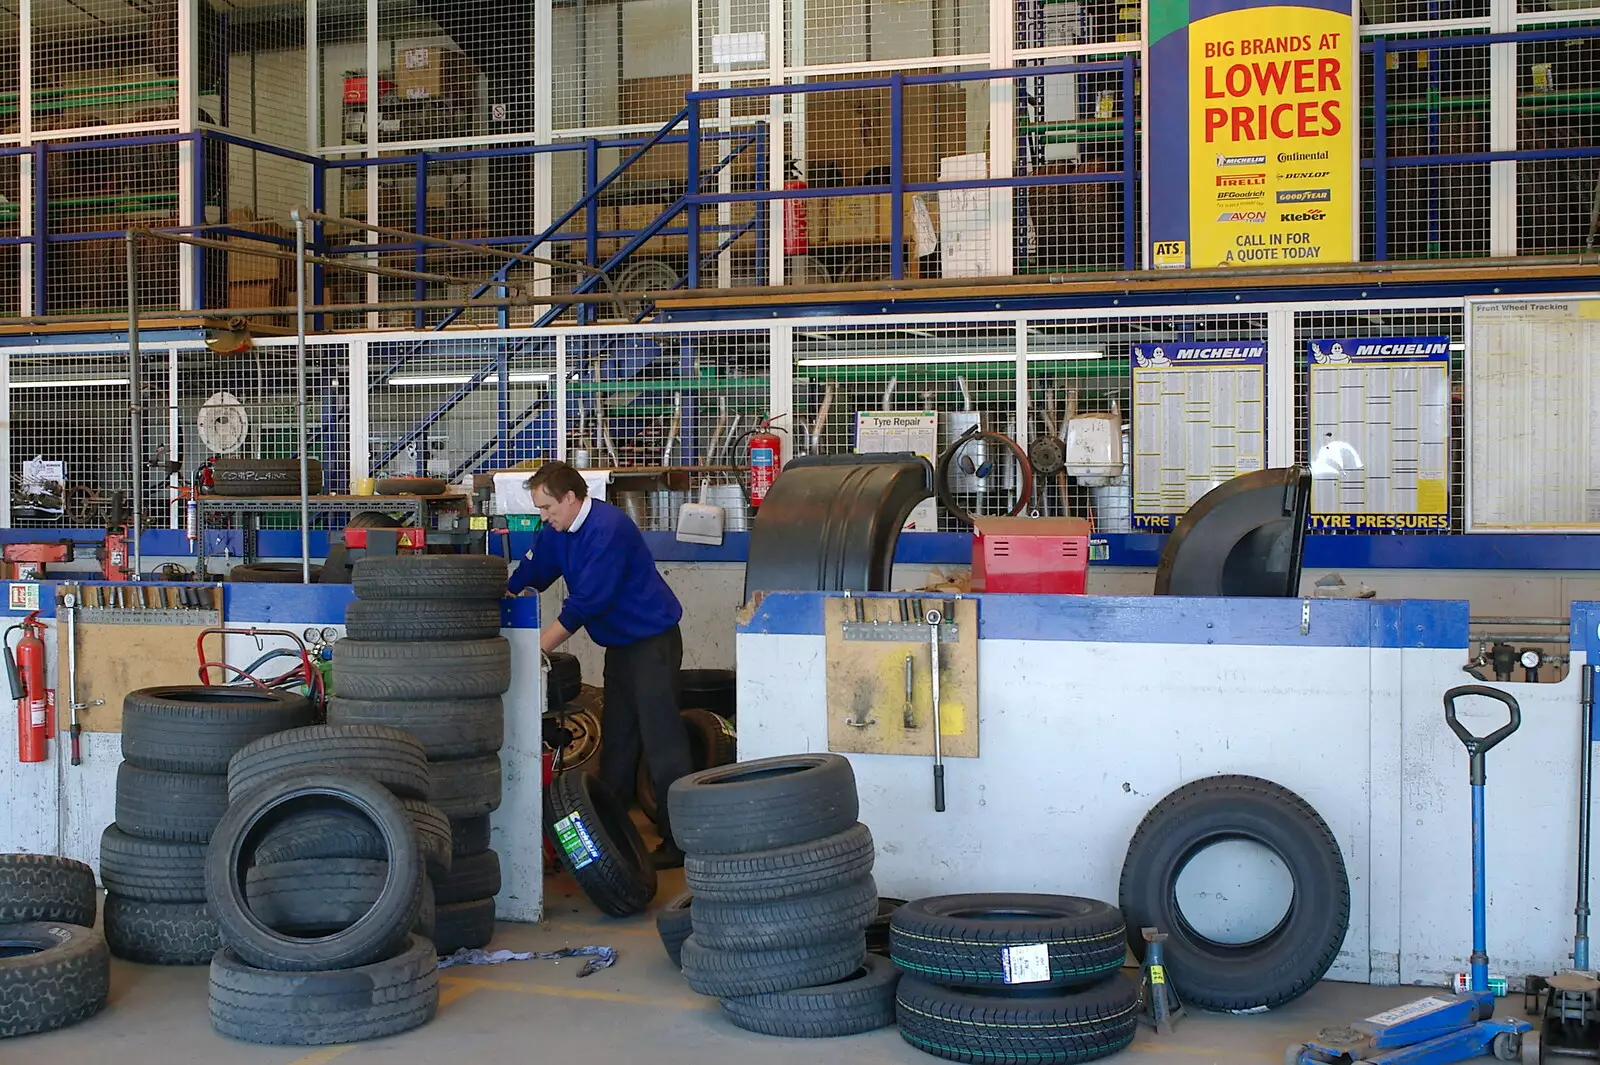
<point>1305,195</point>
<point>1240,180</point>
<point>1242,216</point>
<point>1241,160</point>
<point>1316,214</point>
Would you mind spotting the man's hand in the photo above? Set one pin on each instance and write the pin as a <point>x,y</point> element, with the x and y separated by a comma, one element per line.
<point>554,635</point>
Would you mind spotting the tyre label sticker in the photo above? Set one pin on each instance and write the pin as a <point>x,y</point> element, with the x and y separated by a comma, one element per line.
<point>574,838</point>
<point>1419,1008</point>
<point>1158,974</point>
<point>1028,964</point>
<point>725,725</point>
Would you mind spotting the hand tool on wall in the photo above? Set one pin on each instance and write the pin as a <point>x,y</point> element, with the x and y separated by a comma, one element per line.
<point>70,603</point>
<point>934,618</point>
<point>910,716</point>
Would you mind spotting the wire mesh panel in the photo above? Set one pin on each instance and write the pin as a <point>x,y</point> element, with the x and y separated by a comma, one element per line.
<point>675,407</point>
<point>104,63</point>
<point>831,32</point>
<point>1558,108</point>
<point>71,452</point>
<point>440,58</point>
<point>733,35</point>
<point>342,69</point>
<point>1062,23</point>
<point>454,406</point>
<point>252,72</point>
<point>1376,12</point>
<point>10,227</point>
<point>621,64</point>
<point>10,70</point>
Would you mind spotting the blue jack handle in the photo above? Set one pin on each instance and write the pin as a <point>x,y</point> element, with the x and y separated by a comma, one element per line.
<point>1477,747</point>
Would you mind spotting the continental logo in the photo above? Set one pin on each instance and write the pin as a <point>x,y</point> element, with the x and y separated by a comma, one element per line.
<point>1305,175</point>
<point>1241,197</point>
<point>1241,160</point>
<point>1315,214</point>
<point>1235,181</point>
<point>1305,195</point>
<point>1256,217</point>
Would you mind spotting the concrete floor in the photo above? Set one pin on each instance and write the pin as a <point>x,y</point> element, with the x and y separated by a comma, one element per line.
<point>640,1009</point>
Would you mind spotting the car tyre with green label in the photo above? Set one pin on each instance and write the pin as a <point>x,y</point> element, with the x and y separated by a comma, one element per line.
<point>596,842</point>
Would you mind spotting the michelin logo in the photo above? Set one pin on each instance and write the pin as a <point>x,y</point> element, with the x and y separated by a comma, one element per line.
<point>1241,160</point>
<point>1305,195</point>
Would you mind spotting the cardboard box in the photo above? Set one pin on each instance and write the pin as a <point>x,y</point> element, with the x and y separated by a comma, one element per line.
<point>858,220</point>
<point>653,100</point>
<point>245,267</point>
<point>432,74</point>
<point>267,293</point>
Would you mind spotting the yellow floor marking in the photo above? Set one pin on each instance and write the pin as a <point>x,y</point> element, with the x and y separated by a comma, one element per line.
<point>681,1003</point>
<point>450,991</point>
<point>326,1054</point>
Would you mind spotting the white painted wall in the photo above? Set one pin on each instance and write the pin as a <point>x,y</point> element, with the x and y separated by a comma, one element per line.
<point>1079,740</point>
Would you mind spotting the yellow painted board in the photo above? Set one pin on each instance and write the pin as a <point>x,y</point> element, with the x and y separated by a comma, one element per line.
<point>114,660</point>
<point>866,682</point>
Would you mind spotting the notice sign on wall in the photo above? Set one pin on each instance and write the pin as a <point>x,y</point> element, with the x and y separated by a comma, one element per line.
<point>1253,126</point>
<point>1199,419</point>
<point>1380,433</point>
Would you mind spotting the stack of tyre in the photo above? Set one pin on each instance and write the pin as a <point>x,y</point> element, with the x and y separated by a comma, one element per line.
<point>318,875</point>
<point>56,970</point>
<point>172,789</point>
<point>423,652</point>
<point>780,874</point>
<point>1004,977</point>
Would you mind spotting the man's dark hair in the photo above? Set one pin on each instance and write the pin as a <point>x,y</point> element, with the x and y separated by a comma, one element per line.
<point>557,479</point>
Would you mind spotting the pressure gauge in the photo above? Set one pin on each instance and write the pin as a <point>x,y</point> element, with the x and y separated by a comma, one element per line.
<point>1531,659</point>
<point>330,634</point>
<point>311,635</point>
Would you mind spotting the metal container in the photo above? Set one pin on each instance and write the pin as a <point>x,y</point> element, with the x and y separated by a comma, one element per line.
<point>636,505</point>
<point>664,506</point>
<point>736,512</point>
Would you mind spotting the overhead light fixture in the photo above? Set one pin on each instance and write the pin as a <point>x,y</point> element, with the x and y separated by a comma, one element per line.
<point>926,360</point>
<point>466,379</point>
<point>75,382</point>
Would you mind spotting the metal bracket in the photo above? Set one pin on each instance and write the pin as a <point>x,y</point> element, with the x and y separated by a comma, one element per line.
<point>1305,617</point>
<point>898,631</point>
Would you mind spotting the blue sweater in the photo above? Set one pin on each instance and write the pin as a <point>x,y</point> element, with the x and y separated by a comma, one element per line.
<point>613,588</point>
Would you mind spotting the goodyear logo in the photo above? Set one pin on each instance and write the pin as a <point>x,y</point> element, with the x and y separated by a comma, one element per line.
<point>1241,160</point>
<point>1242,216</point>
<point>1316,214</point>
<point>1305,195</point>
<point>1240,180</point>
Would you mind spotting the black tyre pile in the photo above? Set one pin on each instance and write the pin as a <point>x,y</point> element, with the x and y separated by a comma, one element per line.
<point>54,967</point>
<point>423,652</point>
<point>780,874</point>
<point>320,876</point>
<point>1003,977</point>
<point>172,789</point>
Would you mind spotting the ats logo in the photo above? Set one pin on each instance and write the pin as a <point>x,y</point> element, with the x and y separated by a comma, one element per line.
<point>1242,216</point>
<point>1315,214</point>
<point>1234,181</point>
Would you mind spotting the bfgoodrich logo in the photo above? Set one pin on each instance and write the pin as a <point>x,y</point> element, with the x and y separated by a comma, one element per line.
<point>1242,216</point>
<point>1241,160</point>
<point>1305,195</point>
<point>1313,215</point>
<point>1241,197</point>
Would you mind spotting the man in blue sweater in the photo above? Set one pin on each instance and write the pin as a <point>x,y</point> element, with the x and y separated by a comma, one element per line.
<point>614,591</point>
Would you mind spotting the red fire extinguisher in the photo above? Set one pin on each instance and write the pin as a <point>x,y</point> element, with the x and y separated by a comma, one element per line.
<point>766,459</point>
<point>796,230</point>
<point>25,670</point>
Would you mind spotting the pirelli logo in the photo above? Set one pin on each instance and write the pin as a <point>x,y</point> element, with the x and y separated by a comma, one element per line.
<point>1239,181</point>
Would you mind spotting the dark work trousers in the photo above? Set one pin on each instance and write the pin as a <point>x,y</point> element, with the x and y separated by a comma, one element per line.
<point>641,716</point>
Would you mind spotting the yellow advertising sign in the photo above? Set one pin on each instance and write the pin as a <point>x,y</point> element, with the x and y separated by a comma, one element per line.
<point>1272,138</point>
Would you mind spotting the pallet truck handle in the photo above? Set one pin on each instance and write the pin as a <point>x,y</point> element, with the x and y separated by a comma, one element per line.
<point>1478,746</point>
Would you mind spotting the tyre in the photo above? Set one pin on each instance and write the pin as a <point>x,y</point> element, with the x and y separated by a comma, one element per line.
<point>878,930</point>
<point>430,577</point>
<point>389,756</point>
<point>711,743</point>
<point>377,934</point>
<point>785,872</point>
<point>182,807</point>
<point>377,999</point>
<point>464,925</point>
<point>1284,963</point>
<point>987,940</point>
<point>862,1002</point>
<point>988,1029</point>
<point>469,835</point>
<point>52,974</point>
<point>161,933</point>
<point>264,477</point>
<point>314,896</point>
<point>427,913</point>
<point>760,805</point>
<point>196,729</point>
<point>339,833</point>
<point>148,870</point>
<point>564,682</point>
<point>833,915</point>
<point>467,787</point>
<point>410,486</point>
<point>42,887</point>
<point>598,845</point>
<point>674,924</point>
<point>421,619</point>
<point>707,689</point>
<point>272,573</point>
<point>723,973</point>
<point>422,669</point>
<point>474,876</point>
<point>446,728</point>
